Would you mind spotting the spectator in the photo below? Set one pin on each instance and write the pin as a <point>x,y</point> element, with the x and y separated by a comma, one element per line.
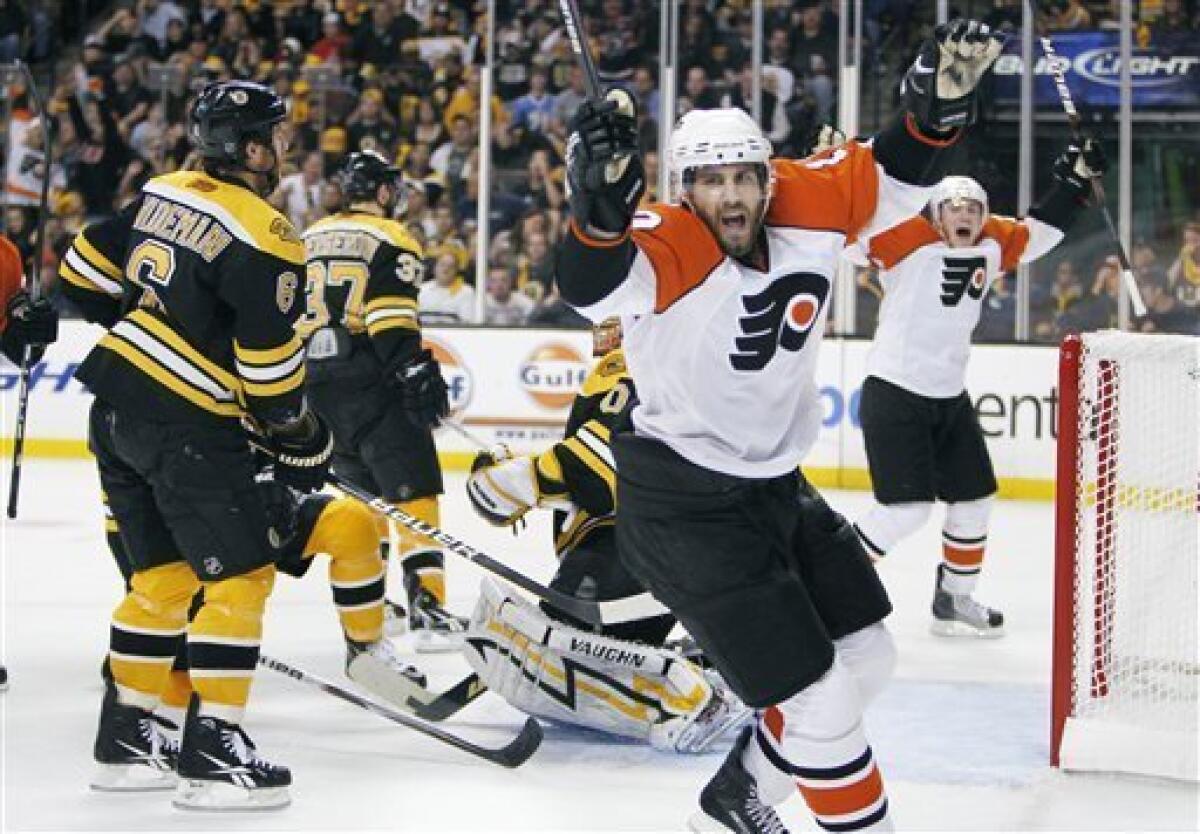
<point>1164,312</point>
<point>450,158</point>
<point>154,16</point>
<point>427,128</point>
<point>101,157</point>
<point>378,40</point>
<point>371,121</point>
<point>1184,274</point>
<point>512,64</point>
<point>536,265</point>
<point>645,93</point>
<point>1098,309</point>
<point>129,100</point>
<point>334,46</point>
<point>774,121</point>
<point>503,305</point>
<point>813,40</point>
<point>568,101</point>
<point>465,101</point>
<point>545,182</point>
<point>14,25</point>
<point>698,93</point>
<point>299,194</point>
<point>1065,15</point>
<point>998,316</point>
<point>534,110</point>
<point>441,38</point>
<point>1172,20</point>
<point>447,299</point>
<point>1065,292</point>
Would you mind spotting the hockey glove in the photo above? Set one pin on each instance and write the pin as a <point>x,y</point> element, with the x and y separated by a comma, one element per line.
<point>303,452</point>
<point>825,138</point>
<point>605,177</point>
<point>939,88</point>
<point>1077,165</point>
<point>423,392</point>
<point>30,323</point>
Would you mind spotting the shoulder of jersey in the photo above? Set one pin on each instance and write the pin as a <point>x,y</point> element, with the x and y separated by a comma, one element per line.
<point>679,246</point>
<point>890,247</point>
<point>382,228</point>
<point>822,191</point>
<point>247,216</point>
<point>608,372</point>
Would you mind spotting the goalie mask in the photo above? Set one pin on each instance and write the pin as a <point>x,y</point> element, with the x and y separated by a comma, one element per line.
<point>958,209</point>
<point>719,166</point>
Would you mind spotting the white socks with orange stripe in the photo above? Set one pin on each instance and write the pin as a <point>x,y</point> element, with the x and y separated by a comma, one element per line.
<point>815,741</point>
<point>885,525</point>
<point>964,537</point>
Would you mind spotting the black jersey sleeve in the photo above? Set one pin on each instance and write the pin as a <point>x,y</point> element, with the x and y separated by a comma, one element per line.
<point>92,278</point>
<point>265,291</point>
<point>390,303</point>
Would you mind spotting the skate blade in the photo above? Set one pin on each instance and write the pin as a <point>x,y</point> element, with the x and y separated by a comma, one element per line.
<point>959,629</point>
<point>378,679</point>
<point>206,795</point>
<point>132,778</point>
<point>436,642</point>
<point>702,823</point>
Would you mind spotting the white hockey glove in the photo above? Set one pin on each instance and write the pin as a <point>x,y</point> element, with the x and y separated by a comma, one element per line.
<point>826,138</point>
<point>605,176</point>
<point>939,88</point>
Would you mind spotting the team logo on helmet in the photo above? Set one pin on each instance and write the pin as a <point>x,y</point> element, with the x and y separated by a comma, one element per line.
<point>963,276</point>
<point>553,374</point>
<point>781,316</point>
<point>458,379</point>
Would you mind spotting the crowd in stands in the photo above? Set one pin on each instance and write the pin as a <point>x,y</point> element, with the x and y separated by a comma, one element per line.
<point>403,77</point>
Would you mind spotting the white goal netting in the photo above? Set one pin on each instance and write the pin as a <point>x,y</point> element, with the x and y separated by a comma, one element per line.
<point>1135,656</point>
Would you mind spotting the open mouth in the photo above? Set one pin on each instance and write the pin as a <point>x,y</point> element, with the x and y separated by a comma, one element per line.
<point>963,234</point>
<point>735,222</point>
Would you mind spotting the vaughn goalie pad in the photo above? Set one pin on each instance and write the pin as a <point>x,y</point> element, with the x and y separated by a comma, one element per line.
<point>553,671</point>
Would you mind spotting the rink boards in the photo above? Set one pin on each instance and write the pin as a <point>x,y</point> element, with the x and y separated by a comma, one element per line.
<point>516,386</point>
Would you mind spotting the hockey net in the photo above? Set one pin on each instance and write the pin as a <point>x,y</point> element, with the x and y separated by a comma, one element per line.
<point>1126,663</point>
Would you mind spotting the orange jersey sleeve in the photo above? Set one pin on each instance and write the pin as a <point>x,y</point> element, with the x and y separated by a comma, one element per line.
<point>835,190</point>
<point>1012,236</point>
<point>12,273</point>
<point>681,249</point>
<point>897,243</point>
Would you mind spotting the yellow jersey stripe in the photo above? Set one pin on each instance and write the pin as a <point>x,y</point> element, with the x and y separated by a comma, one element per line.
<point>94,257</point>
<point>72,277</point>
<point>173,340</point>
<point>267,356</point>
<point>392,324</point>
<point>274,389</point>
<point>390,301</point>
<point>168,380</point>
<point>592,461</point>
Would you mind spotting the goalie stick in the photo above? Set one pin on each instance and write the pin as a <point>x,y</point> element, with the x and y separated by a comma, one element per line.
<point>1055,64</point>
<point>511,755</point>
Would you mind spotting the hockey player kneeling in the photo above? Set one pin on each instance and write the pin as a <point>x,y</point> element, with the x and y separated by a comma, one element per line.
<point>621,681</point>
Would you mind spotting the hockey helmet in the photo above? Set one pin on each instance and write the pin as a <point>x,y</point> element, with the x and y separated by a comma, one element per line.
<point>955,190</point>
<point>716,137</point>
<point>606,336</point>
<point>362,174</point>
<point>228,114</point>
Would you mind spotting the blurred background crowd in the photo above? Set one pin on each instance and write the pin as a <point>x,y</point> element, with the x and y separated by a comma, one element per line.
<point>403,77</point>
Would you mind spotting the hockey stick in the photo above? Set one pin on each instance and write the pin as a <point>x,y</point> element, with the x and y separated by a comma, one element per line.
<point>1068,104</point>
<point>573,21</point>
<point>466,434</point>
<point>440,706</point>
<point>513,754</point>
<point>35,292</point>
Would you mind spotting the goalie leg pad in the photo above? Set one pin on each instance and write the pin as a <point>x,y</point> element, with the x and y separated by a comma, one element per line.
<point>550,670</point>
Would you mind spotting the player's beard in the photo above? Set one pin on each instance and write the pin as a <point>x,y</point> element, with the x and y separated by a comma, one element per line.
<point>736,228</point>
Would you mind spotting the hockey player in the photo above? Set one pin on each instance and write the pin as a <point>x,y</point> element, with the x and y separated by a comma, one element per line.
<point>923,440</point>
<point>730,292</point>
<point>544,662</point>
<point>201,311</point>
<point>23,324</point>
<point>369,377</point>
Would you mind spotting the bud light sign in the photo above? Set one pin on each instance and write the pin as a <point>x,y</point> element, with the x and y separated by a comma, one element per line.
<point>1164,73</point>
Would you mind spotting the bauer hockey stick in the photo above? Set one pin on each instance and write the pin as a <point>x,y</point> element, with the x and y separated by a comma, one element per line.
<point>35,292</point>
<point>513,754</point>
<point>573,21</point>
<point>1068,104</point>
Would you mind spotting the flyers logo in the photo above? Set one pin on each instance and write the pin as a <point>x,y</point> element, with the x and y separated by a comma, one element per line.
<point>781,316</point>
<point>961,275</point>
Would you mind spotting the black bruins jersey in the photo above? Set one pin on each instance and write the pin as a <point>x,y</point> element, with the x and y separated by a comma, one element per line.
<point>580,467</point>
<point>199,283</point>
<point>362,276</point>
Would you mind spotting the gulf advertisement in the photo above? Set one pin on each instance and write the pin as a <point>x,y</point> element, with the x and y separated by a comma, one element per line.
<point>515,386</point>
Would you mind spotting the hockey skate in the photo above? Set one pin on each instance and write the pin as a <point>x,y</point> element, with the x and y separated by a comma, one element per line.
<point>395,618</point>
<point>434,629</point>
<point>695,734</point>
<point>378,669</point>
<point>960,615</point>
<point>220,770</point>
<point>730,800</point>
<point>131,751</point>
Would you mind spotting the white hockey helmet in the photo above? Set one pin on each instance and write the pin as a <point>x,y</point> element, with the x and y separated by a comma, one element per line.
<point>956,190</point>
<point>716,137</point>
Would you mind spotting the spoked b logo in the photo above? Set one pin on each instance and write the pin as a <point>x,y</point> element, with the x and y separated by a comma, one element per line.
<point>781,316</point>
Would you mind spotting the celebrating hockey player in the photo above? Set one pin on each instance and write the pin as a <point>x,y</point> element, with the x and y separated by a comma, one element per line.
<point>730,290</point>
<point>622,680</point>
<point>924,442</point>
<point>24,323</point>
<point>369,377</point>
<point>200,308</point>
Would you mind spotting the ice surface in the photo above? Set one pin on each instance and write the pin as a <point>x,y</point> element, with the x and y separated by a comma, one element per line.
<point>961,734</point>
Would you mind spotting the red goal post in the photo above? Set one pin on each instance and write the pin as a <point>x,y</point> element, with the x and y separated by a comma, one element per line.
<point>1126,663</point>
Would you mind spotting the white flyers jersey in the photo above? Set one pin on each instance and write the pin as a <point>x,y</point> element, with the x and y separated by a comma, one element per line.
<point>933,296</point>
<point>724,355</point>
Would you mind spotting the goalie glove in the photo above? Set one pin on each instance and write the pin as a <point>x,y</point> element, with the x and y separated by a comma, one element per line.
<point>502,488</point>
<point>1076,167</point>
<point>939,88</point>
<point>605,177</point>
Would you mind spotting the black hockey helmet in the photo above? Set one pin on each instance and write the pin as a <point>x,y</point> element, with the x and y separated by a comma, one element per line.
<point>363,172</point>
<point>228,114</point>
